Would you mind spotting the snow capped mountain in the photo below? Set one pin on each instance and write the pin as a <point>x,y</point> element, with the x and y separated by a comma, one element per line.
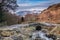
<point>22,13</point>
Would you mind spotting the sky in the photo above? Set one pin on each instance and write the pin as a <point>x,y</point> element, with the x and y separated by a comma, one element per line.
<point>25,5</point>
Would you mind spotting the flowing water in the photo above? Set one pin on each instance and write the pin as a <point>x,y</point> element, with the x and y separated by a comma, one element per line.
<point>41,35</point>
<point>35,34</point>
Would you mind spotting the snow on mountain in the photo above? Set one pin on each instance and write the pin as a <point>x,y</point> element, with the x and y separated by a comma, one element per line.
<point>22,13</point>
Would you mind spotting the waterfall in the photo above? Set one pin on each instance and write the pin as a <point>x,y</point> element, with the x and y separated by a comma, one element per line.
<point>41,35</point>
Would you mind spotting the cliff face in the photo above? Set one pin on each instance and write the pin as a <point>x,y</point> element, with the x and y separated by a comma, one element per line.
<point>51,14</point>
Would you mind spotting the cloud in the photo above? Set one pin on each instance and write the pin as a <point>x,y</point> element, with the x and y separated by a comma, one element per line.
<point>35,4</point>
<point>30,7</point>
<point>24,4</point>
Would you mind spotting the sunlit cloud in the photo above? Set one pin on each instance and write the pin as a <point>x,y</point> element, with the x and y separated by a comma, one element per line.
<point>35,4</point>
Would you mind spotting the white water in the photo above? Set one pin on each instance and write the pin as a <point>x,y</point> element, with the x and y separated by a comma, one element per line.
<point>13,26</point>
<point>41,35</point>
<point>22,25</point>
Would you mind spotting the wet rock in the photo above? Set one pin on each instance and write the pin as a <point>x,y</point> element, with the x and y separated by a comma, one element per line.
<point>17,38</point>
<point>1,38</point>
<point>38,28</point>
<point>54,37</point>
<point>38,38</point>
<point>7,38</point>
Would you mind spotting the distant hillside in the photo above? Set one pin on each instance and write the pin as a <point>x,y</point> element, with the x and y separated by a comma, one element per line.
<point>51,14</point>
